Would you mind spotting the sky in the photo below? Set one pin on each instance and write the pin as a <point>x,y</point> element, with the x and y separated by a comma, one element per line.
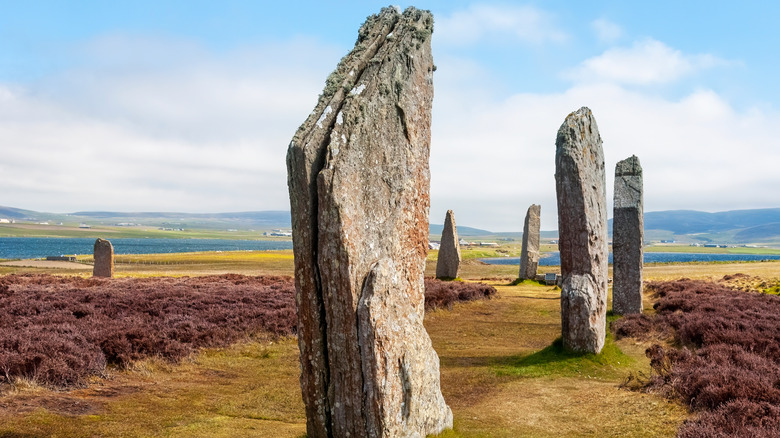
<point>189,105</point>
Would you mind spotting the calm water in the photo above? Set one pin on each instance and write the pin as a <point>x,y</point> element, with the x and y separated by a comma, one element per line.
<point>35,247</point>
<point>554,258</point>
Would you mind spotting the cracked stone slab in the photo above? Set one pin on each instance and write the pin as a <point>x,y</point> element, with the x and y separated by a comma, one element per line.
<point>359,184</point>
<point>448,262</point>
<point>627,238</point>
<point>529,255</point>
<point>582,227</point>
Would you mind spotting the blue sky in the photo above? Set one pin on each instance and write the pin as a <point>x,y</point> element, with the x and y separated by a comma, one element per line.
<point>189,105</point>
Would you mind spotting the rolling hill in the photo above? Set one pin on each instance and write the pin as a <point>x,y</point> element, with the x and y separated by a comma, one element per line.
<point>737,226</point>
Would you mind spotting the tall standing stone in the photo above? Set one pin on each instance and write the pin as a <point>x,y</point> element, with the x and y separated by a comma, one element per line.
<point>582,228</point>
<point>529,256</point>
<point>359,187</point>
<point>627,238</point>
<point>448,263</point>
<point>104,259</point>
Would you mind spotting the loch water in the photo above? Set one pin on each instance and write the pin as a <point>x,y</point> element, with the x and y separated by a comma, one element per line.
<point>554,258</point>
<point>38,247</point>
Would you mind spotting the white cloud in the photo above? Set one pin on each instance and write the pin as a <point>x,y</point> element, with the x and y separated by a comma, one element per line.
<point>492,158</point>
<point>205,132</point>
<point>525,24</point>
<point>606,31</point>
<point>646,62</point>
<point>167,126</point>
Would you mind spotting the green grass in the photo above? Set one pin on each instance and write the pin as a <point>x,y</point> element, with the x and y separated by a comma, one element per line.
<point>773,290</point>
<point>249,389</point>
<point>556,361</point>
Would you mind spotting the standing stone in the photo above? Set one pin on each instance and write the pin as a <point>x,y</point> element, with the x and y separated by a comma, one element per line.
<point>359,187</point>
<point>627,238</point>
<point>448,263</point>
<point>104,259</point>
<point>582,228</point>
<point>529,256</point>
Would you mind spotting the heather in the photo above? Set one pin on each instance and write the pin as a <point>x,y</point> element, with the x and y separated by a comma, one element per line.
<point>58,331</point>
<point>443,294</point>
<point>726,363</point>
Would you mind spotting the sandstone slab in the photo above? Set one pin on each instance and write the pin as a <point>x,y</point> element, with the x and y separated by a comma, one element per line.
<point>529,256</point>
<point>359,185</point>
<point>448,262</point>
<point>627,238</point>
<point>582,227</point>
<point>104,259</point>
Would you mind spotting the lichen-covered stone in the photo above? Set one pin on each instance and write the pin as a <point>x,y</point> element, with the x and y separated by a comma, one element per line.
<point>104,259</point>
<point>582,227</point>
<point>359,186</point>
<point>448,262</point>
<point>529,256</point>
<point>627,238</point>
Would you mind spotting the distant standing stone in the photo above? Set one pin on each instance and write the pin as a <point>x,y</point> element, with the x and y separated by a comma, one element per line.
<point>448,264</point>
<point>529,256</point>
<point>582,227</point>
<point>627,238</point>
<point>104,259</point>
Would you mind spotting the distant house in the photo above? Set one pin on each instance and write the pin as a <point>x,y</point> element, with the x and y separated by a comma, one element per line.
<point>61,258</point>
<point>4,221</point>
<point>488,244</point>
<point>84,226</point>
<point>434,245</point>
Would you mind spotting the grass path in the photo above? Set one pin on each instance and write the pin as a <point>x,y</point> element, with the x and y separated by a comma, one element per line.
<point>499,385</point>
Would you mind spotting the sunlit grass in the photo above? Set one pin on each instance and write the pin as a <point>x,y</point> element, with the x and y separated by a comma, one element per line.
<point>250,389</point>
<point>556,361</point>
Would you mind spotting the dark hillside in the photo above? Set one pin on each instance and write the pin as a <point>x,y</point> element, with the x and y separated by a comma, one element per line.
<point>758,233</point>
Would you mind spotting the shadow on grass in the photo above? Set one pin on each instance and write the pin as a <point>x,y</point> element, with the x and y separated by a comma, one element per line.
<point>519,281</point>
<point>555,360</point>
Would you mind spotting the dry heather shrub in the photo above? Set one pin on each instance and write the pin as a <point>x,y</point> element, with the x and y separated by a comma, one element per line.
<point>60,330</point>
<point>443,294</point>
<point>728,363</point>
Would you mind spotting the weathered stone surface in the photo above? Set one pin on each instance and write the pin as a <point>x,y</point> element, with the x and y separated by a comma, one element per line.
<point>529,256</point>
<point>104,259</point>
<point>448,263</point>
<point>582,228</point>
<point>627,238</point>
<point>359,194</point>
